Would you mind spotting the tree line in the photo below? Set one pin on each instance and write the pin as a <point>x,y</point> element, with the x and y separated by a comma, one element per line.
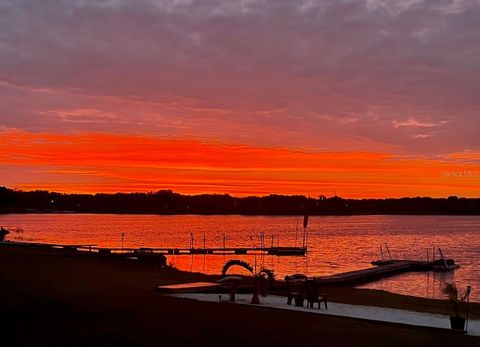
<point>169,202</point>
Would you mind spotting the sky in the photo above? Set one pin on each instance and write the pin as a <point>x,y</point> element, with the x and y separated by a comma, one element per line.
<point>364,98</point>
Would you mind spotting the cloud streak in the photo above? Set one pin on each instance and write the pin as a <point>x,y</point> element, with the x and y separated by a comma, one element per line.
<point>410,122</point>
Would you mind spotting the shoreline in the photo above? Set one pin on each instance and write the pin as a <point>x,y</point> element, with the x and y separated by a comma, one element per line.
<point>64,295</point>
<point>164,202</point>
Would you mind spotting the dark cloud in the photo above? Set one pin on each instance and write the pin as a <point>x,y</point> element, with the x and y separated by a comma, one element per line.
<point>333,73</point>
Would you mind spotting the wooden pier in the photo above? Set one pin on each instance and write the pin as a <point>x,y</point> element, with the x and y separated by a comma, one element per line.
<point>278,251</point>
<point>382,270</point>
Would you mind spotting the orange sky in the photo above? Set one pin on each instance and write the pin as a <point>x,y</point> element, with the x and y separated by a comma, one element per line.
<point>112,163</point>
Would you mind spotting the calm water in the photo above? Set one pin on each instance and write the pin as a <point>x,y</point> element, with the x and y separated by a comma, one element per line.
<point>336,244</point>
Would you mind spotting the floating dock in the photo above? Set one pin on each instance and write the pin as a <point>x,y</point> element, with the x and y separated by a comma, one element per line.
<point>278,251</point>
<point>382,269</point>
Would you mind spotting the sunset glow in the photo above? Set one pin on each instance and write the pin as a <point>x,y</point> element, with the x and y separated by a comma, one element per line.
<point>113,163</point>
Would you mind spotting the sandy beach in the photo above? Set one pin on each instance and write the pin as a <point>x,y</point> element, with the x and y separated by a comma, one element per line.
<point>67,300</point>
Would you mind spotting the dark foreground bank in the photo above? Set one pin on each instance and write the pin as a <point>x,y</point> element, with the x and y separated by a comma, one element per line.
<point>58,300</point>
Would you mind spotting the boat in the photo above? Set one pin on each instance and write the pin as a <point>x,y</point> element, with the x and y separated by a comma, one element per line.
<point>444,265</point>
<point>441,264</point>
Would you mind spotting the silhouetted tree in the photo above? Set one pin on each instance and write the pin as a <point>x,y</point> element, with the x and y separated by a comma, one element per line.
<point>169,202</point>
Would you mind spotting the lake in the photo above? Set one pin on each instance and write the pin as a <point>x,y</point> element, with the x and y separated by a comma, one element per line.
<point>336,243</point>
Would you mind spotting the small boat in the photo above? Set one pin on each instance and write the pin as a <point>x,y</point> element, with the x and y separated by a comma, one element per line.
<point>444,265</point>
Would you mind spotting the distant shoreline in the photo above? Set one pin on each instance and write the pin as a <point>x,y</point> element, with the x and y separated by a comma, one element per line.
<point>167,202</point>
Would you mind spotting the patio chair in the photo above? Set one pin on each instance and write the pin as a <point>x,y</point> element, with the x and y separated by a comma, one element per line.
<point>296,289</point>
<point>313,294</point>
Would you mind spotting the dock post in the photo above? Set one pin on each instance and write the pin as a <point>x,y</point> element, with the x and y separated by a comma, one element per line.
<point>469,290</point>
<point>388,250</point>
<point>303,241</point>
<point>443,258</point>
<point>306,239</point>
<point>305,233</point>
<point>254,254</point>
<point>296,234</point>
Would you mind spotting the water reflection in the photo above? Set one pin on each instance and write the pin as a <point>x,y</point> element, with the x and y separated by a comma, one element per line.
<point>425,284</point>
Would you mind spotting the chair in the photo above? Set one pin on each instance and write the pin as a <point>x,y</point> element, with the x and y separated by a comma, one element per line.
<point>313,296</point>
<point>296,289</point>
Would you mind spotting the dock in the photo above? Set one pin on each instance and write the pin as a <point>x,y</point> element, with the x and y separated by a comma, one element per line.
<point>382,269</point>
<point>277,251</point>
